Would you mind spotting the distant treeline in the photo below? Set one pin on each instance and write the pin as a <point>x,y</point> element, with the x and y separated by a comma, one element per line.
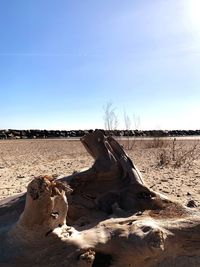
<point>34,134</point>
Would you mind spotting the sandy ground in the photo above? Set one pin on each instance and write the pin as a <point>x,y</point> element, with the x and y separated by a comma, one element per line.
<point>21,160</point>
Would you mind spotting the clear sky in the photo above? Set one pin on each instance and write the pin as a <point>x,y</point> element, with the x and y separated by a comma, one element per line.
<point>62,61</point>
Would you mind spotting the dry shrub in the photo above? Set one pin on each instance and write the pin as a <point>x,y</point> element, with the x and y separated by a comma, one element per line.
<point>163,158</point>
<point>178,154</point>
<point>129,143</point>
<point>156,142</point>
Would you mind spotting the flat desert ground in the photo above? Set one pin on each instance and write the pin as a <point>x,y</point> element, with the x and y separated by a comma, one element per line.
<point>171,168</point>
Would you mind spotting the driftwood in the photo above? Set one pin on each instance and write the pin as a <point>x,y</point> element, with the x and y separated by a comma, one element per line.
<point>103,216</point>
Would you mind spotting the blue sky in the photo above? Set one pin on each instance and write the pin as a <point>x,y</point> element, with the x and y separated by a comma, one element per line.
<point>62,61</point>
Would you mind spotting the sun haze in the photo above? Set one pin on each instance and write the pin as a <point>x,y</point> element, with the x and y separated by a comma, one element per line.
<point>61,61</point>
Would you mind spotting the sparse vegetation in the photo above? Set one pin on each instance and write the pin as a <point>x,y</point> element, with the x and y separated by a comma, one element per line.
<point>131,140</point>
<point>156,142</point>
<point>110,117</point>
<point>176,154</point>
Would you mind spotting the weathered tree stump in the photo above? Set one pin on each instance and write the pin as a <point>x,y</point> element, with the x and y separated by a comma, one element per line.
<point>113,219</point>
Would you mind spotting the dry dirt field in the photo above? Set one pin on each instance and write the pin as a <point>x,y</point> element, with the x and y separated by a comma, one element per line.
<point>171,168</point>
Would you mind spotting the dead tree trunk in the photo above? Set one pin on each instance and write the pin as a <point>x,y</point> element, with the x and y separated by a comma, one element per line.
<point>112,182</point>
<point>116,220</point>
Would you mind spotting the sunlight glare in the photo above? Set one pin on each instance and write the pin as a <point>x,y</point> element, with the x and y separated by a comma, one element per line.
<point>193,10</point>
